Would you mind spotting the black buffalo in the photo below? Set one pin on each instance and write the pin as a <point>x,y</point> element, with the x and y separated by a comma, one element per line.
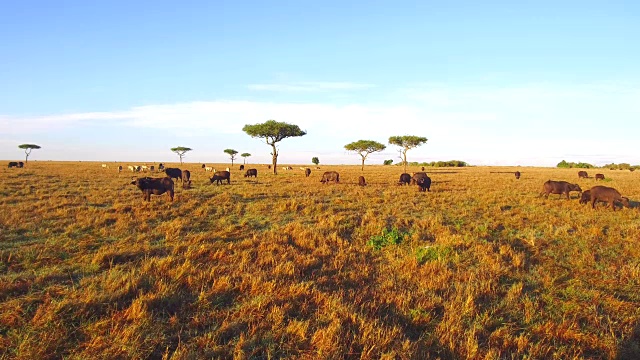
<point>330,176</point>
<point>155,186</point>
<point>405,179</point>
<point>251,172</point>
<point>559,187</point>
<point>417,176</point>
<point>186,179</point>
<point>606,194</point>
<point>517,173</point>
<point>582,174</point>
<point>13,164</point>
<point>307,172</point>
<point>599,176</point>
<point>361,181</point>
<point>424,183</point>
<point>173,173</point>
<point>219,176</point>
<point>241,167</point>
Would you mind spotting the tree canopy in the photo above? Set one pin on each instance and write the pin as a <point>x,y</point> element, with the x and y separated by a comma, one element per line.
<point>315,160</point>
<point>27,149</point>
<point>180,150</point>
<point>364,148</point>
<point>273,132</point>
<point>406,143</point>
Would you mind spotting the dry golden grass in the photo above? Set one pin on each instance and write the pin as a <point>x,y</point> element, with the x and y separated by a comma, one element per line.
<point>282,267</point>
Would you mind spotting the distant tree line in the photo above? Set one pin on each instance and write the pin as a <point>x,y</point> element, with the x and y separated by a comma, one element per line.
<point>612,166</point>
<point>450,163</point>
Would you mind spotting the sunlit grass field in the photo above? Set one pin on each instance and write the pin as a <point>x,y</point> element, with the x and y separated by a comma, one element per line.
<point>481,267</point>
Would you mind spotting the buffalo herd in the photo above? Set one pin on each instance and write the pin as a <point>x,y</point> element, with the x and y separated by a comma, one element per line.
<point>159,186</point>
<point>596,193</point>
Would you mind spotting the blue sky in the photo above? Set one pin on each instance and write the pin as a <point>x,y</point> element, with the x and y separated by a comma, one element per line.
<point>491,83</point>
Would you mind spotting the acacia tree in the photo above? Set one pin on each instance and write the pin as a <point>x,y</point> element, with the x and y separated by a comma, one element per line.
<point>180,150</point>
<point>232,154</point>
<point>273,132</point>
<point>245,156</point>
<point>315,160</point>
<point>364,148</point>
<point>406,143</point>
<point>27,150</point>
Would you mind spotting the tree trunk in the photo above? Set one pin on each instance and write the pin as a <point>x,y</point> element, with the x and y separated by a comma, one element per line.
<point>274,159</point>
<point>26,159</point>
<point>404,159</point>
<point>363,162</point>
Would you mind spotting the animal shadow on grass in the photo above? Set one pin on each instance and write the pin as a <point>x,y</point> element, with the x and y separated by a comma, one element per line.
<point>630,348</point>
<point>634,204</point>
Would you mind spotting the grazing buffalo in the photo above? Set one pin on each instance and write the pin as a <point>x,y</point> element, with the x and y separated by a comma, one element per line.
<point>161,167</point>
<point>559,187</point>
<point>361,181</point>
<point>13,164</point>
<point>20,164</point>
<point>173,173</point>
<point>417,176</point>
<point>186,179</point>
<point>204,166</point>
<point>119,168</point>
<point>330,176</point>
<point>599,176</point>
<point>219,176</point>
<point>405,179</point>
<point>251,172</point>
<point>422,168</point>
<point>307,172</point>
<point>606,194</point>
<point>155,186</point>
<point>152,168</point>
<point>424,183</point>
<point>585,197</point>
<point>241,167</point>
<point>582,174</point>
<point>517,173</point>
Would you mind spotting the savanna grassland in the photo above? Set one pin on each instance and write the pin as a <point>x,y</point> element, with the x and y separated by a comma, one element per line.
<point>481,267</point>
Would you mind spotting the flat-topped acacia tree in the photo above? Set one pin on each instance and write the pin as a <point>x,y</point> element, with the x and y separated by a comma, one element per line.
<point>232,154</point>
<point>273,132</point>
<point>27,150</point>
<point>245,156</point>
<point>180,150</point>
<point>406,143</point>
<point>364,148</point>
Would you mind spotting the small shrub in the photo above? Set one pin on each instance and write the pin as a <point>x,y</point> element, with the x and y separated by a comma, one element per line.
<point>387,237</point>
<point>432,253</point>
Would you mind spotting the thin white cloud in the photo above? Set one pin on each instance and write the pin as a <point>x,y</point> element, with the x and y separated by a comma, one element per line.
<point>317,86</point>
<point>536,124</point>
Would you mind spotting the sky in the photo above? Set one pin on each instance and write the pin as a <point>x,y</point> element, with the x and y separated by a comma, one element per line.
<point>487,82</point>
